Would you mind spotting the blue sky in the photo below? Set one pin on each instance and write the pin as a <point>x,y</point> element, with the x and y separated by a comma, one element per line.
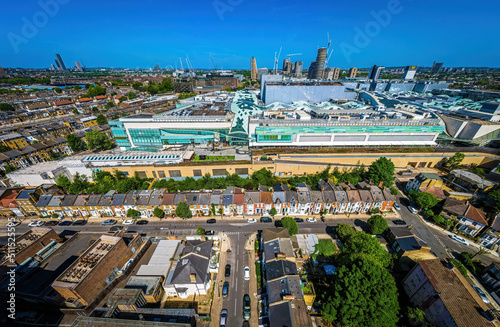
<point>124,33</point>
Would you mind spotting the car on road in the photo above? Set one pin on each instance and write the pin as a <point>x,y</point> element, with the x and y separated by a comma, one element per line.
<point>108,222</point>
<point>80,222</point>
<point>277,223</point>
<point>211,221</point>
<point>246,307</point>
<point>251,220</point>
<point>209,232</point>
<point>225,289</point>
<point>246,324</point>
<point>399,222</point>
<point>397,206</point>
<point>128,222</point>
<point>223,318</point>
<point>266,220</point>
<point>142,222</point>
<point>227,272</point>
<point>13,223</point>
<point>65,223</point>
<point>35,223</point>
<point>412,210</point>
<point>246,273</point>
<point>52,223</point>
<point>299,220</point>
<point>115,228</point>
<point>459,239</point>
<point>481,294</point>
<point>311,220</point>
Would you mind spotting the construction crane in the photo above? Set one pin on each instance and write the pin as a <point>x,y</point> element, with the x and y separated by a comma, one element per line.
<point>188,62</point>
<point>328,55</point>
<point>180,59</point>
<point>293,54</point>
<point>276,61</point>
<point>213,63</point>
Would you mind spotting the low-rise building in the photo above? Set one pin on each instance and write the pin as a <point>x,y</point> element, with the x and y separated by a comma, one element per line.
<point>470,220</point>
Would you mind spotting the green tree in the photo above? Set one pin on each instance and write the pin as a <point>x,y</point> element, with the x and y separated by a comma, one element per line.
<point>493,200</point>
<point>377,224</point>
<point>325,248</point>
<point>415,314</point>
<point>9,169</point>
<point>362,294</point>
<point>97,140</point>
<point>4,148</point>
<point>80,184</point>
<point>423,200</point>
<point>63,182</point>
<point>344,231</point>
<point>132,95</point>
<point>57,90</point>
<point>182,210</point>
<point>96,90</point>
<point>132,213</point>
<point>109,105</point>
<point>75,111</point>
<point>382,170</point>
<point>77,87</point>
<point>220,211</point>
<point>273,212</point>
<point>137,85</point>
<point>6,107</point>
<point>455,161</point>
<point>361,243</point>
<point>158,212</point>
<point>290,224</point>
<point>55,216</point>
<point>167,85</point>
<point>200,231</point>
<point>101,120</point>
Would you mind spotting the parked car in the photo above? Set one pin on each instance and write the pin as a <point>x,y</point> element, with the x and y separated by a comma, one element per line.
<point>277,223</point>
<point>108,222</point>
<point>246,307</point>
<point>246,324</point>
<point>481,294</point>
<point>35,223</point>
<point>211,221</point>
<point>251,220</point>
<point>399,222</point>
<point>52,223</point>
<point>13,223</point>
<point>227,272</point>
<point>266,220</point>
<point>246,273</point>
<point>397,206</point>
<point>65,223</point>
<point>412,210</point>
<point>225,289</point>
<point>142,222</point>
<point>209,232</point>
<point>459,239</point>
<point>115,228</point>
<point>299,220</point>
<point>223,318</point>
<point>128,222</point>
<point>80,222</point>
<point>311,220</point>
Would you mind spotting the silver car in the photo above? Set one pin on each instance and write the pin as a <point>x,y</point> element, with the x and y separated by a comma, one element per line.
<point>481,294</point>
<point>223,318</point>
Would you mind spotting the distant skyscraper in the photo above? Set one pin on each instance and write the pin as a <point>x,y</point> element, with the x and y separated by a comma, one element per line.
<point>297,69</point>
<point>287,67</point>
<point>52,67</point>
<point>63,66</point>
<point>253,72</point>
<point>320,62</point>
<point>410,72</point>
<point>157,68</point>
<point>310,72</point>
<point>375,72</point>
<point>58,64</point>
<point>353,72</point>
<point>78,66</point>
<point>436,67</point>
<point>262,71</point>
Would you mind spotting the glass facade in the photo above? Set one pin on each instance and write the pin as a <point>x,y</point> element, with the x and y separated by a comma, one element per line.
<point>119,133</point>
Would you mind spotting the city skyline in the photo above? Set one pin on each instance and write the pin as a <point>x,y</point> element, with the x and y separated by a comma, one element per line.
<point>393,33</point>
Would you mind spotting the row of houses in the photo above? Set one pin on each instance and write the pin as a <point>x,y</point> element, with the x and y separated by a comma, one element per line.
<point>232,200</point>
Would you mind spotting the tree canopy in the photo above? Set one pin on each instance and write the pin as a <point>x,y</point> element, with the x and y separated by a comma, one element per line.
<point>382,170</point>
<point>200,231</point>
<point>97,140</point>
<point>95,90</point>
<point>182,210</point>
<point>344,231</point>
<point>132,213</point>
<point>158,212</point>
<point>325,248</point>
<point>360,243</point>
<point>455,161</point>
<point>101,120</point>
<point>290,224</point>
<point>362,294</point>
<point>6,107</point>
<point>423,200</point>
<point>377,224</point>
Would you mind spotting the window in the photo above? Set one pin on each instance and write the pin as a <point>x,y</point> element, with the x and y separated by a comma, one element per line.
<point>154,174</point>
<point>161,174</point>
<point>174,173</point>
<point>142,174</point>
<point>197,172</point>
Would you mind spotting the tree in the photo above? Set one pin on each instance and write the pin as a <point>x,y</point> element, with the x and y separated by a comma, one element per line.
<point>423,200</point>
<point>290,224</point>
<point>96,90</point>
<point>6,107</point>
<point>9,169</point>
<point>55,216</point>
<point>109,105</point>
<point>493,200</point>
<point>325,248</point>
<point>137,85</point>
<point>4,148</point>
<point>382,170</point>
<point>455,161</point>
<point>362,294</point>
<point>63,182</point>
<point>57,90</point>
<point>80,184</point>
<point>132,95</point>
<point>158,212</point>
<point>132,213</point>
<point>182,210</point>
<point>77,87</point>
<point>273,212</point>
<point>101,120</point>
<point>75,111</point>
<point>344,231</point>
<point>75,143</point>
<point>415,314</point>
<point>360,243</point>
<point>200,231</point>
<point>377,224</point>
<point>97,140</point>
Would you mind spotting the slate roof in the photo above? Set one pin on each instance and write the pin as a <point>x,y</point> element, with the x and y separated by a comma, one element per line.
<point>279,268</point>
<point>130,198</point>
<point>191,265</point>
<point>143,197</point>
<point>252,197</point>
<point>377,194</point>
<point>341,196</point>
<point>280,187</point>
<point>156,197</point>
<point>292,197</point>
<point>204,199</point>
<point>353,196</point>
<point>81,200</point>
<point>43,200</point>
<point>118,199</point>
<point>279,197</point>
<point>290,285</point>
<point>227,199</point>
<point>203,248</point>
<point>94,200</point>
<point>289,314</point>
<point>410,243</point>
<point>106,199</point>
<point>365,196</point>
<point>68,200</point>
